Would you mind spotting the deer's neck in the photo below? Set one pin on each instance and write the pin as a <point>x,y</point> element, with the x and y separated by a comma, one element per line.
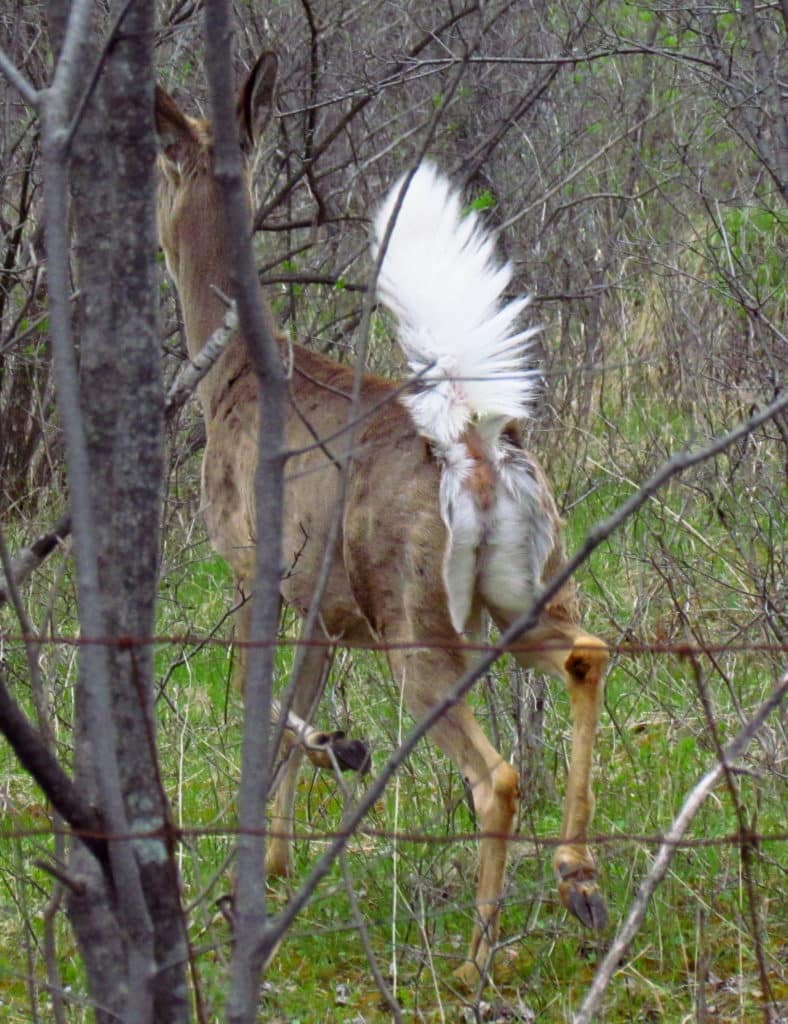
<point>202,271</point>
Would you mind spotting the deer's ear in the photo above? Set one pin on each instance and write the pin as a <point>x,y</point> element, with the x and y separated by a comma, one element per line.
<point>256,99</point>
<point>174,132</point>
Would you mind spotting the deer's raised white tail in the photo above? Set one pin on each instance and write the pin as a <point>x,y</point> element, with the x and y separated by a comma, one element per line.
<point>442,280</point>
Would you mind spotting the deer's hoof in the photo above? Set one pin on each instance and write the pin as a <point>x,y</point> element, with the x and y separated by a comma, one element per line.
<point>580,895</point>
<point>278,860</point>
<point>351,755</point>
<point>467,976</point>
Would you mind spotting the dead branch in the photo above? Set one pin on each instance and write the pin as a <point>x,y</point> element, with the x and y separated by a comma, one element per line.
<point>27,559</point>
<point>36,758</point>
<point>195,369</point>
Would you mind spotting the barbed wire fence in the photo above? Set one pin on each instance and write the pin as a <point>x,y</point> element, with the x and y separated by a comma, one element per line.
<point>35,749</point>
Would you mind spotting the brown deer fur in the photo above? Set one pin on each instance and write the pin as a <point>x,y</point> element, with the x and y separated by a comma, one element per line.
<point>385,582</point>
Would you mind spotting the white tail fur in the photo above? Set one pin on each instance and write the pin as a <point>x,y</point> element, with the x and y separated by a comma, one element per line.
<point>442,280</point>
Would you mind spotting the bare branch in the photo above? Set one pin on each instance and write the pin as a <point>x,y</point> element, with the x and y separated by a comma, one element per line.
<point>35,757</point>
<point>387,995</point>
<point>324,143</point>
<point>197,368</point>
<point>27,559</point>
<point>583,166</point>
<point>69,69</point>
<point>269,485</point>
<point>30,95</point>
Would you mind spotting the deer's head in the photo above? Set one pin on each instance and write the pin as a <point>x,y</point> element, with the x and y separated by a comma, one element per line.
<point>186,197</point>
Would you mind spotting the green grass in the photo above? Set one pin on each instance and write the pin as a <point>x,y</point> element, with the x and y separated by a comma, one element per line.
<point>691,568</point>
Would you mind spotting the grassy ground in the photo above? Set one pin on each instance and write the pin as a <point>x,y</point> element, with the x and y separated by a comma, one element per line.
<point>698,566</point>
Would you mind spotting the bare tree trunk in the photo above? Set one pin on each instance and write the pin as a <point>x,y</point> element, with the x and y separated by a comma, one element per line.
<point>122,416</point>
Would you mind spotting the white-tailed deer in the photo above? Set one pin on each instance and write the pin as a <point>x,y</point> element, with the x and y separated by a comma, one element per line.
<point>446,516</point>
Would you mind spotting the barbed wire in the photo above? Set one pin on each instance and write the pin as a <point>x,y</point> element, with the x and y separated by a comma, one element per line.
<point>188,832</point>
<point>631,648</point>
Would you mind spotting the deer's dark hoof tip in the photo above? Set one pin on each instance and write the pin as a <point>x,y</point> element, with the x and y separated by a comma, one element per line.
<point>581,896</point>
<point>351,755</point>
<point>589,909</point>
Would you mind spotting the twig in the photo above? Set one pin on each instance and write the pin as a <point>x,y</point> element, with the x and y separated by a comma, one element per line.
<point>29,94</point>
<point>28,558</point>
<point>198,367</point>
<point>358,920</point>
<point>28,630</point>
<point>36,758</point>
<point>746,839</point>
<point>59,873</point>
<point>581,167</point>
<point>341,126</point>
<point>691,806</point>
<point>50,912</point>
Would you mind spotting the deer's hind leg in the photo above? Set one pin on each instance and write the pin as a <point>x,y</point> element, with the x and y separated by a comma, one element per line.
<point>426,676</point>
<point>564,649</point>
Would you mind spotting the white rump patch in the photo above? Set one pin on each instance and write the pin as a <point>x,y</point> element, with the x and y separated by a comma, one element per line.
<point>519,540</point>
<point>499,552</point>
<point>464,526</point>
